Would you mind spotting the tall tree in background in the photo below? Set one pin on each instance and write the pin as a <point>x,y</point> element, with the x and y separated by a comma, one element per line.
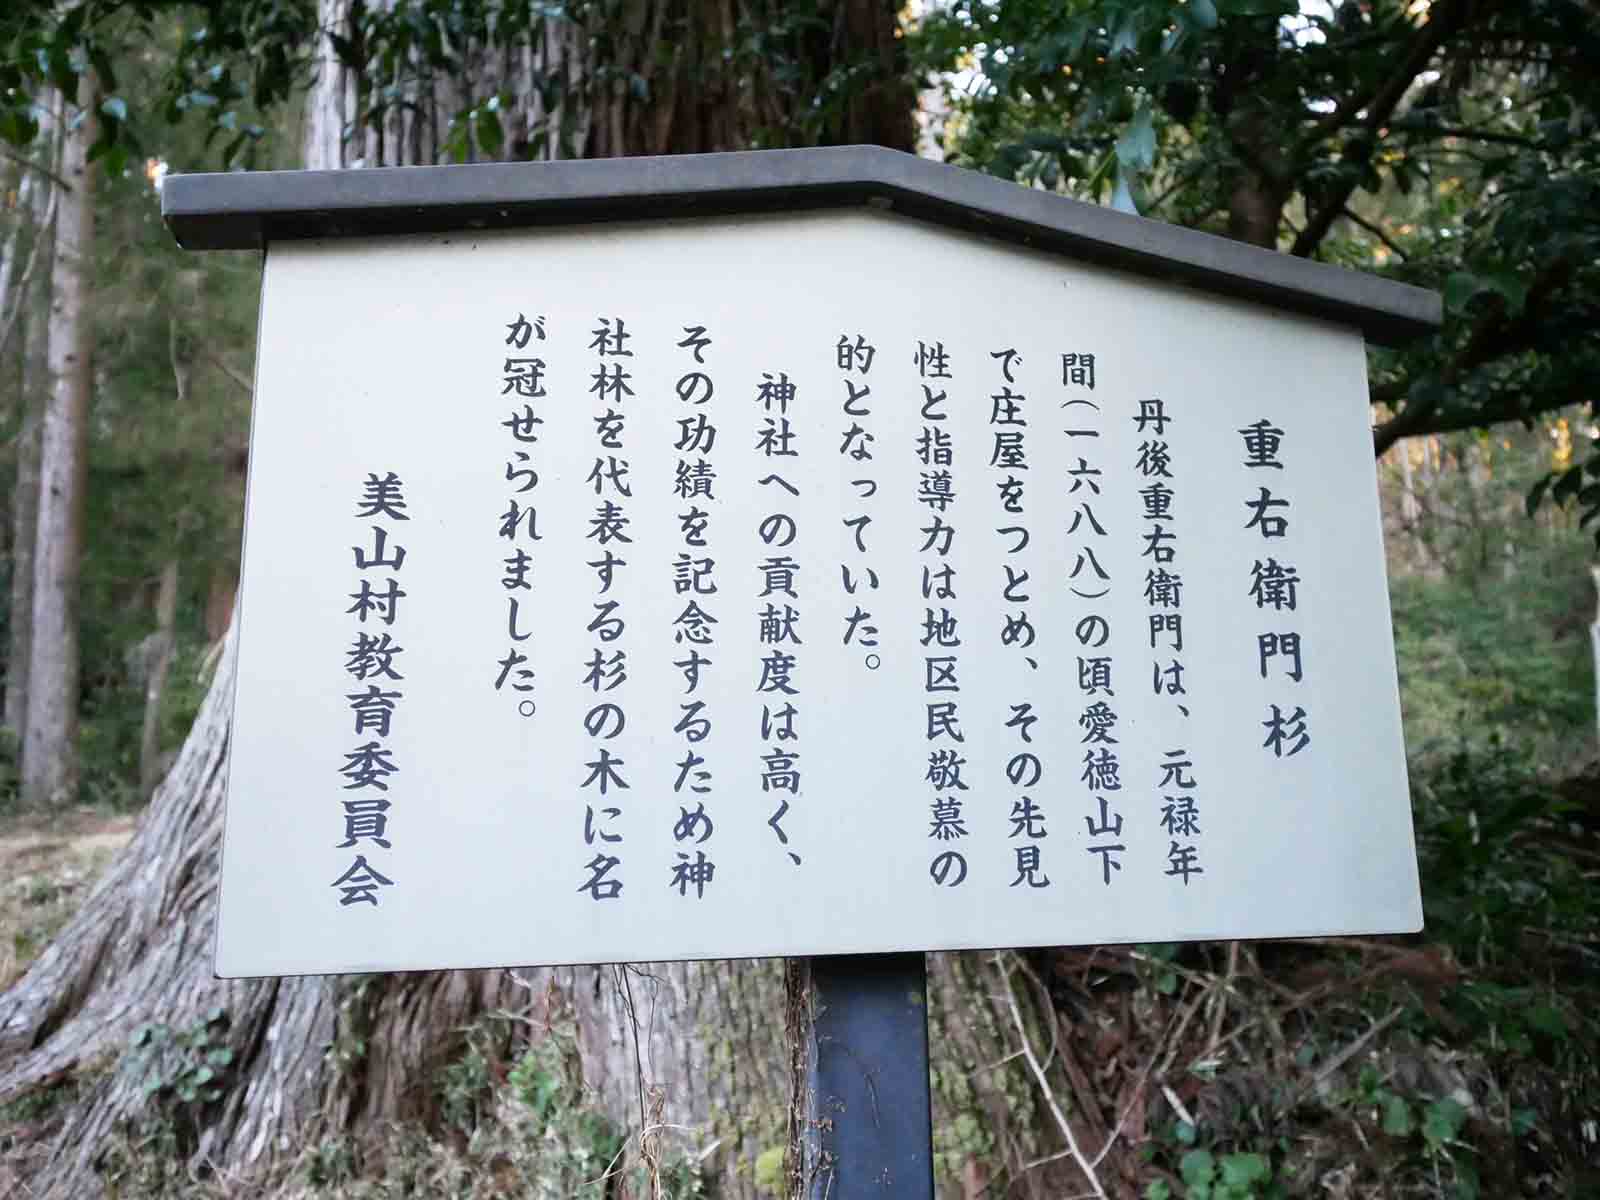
<point>50,731</point>
<point>399,83</point>
<point>24,324</point>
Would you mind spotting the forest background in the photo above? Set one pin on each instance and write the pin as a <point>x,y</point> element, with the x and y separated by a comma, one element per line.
<point>1449,144</point>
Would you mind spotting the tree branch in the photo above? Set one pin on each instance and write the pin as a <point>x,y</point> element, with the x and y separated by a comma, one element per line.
<point>232,373</point>
<point>1443,21</point>
<point>1511,407</point>
<point>29,165</point>
<point>1376,231</point>
<point>1043,1081</point>
<point>1475,135</point>
<point>1185,176</point>
<point>1491,338</point>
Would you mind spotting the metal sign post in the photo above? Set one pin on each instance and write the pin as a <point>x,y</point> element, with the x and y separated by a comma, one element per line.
<point>869,1129</point>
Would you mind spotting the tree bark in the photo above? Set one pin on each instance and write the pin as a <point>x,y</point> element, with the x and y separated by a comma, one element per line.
<point>32,302</point>
<point>322,146</point>
<point>1255,210</point>
<point>646,77</point>
<point>49,740</point>
<point>19,183</point>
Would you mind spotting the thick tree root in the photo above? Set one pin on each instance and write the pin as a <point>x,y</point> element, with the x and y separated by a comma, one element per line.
<point>683,1044</point>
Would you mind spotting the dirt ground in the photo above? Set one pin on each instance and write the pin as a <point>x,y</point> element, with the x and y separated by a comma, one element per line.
<point>48,865</point>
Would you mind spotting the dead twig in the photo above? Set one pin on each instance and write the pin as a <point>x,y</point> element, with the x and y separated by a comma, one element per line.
<point>1044,1087</point>
<point>1219,1005</point>
<point>1138,1090</point>
<point>1177,1105</point>
<point>1350,1051</point>
<point>1177,1038</point>
<point>1083,1091</point>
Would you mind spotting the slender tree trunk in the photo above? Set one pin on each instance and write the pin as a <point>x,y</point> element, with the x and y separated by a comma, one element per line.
<point>158,646</point>
<point>49,740</point>
<point>322,143</point>
<point>31,303</point>
<point>1255,203</point>
<point>1594,644</point>
<point>1258,190</point>
<point>21,183</point>
<point>25,510</point>
<point>160,665</point>
<point>220,594</point>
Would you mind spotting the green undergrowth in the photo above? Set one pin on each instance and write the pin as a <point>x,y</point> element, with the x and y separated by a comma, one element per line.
<point>1463,1063</point>
<point>1500,650</point>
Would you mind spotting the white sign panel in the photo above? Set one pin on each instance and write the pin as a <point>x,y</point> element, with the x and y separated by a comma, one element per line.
<point>793,585</point>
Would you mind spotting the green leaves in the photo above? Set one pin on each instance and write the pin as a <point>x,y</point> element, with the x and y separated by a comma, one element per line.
<point>1198,1167</point>
<point>1258,116</point>
<point>1579,483</point>
<point>1122,196</point>
<point>252,52</point>
<point>61,63</point>
<point>1441,1122</point>
<point>187,1066</point>
<point>1241,1175</point>
<point>486,124</point>
<point>1136,153</point>
<point>1462,287</point>
<point>1136,148</point>
<point>1202,13</point>
<point>1243,1171</point>
<point>112,156</point>
<point>1125,39</point>
<point>18,125</point>
<point>1396,1116</point>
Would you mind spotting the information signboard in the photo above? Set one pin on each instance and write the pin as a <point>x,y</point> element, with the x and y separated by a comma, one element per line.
<point>798,584</point>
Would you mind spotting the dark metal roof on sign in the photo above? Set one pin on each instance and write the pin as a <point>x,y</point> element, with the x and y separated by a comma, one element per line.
<point>248,210</point>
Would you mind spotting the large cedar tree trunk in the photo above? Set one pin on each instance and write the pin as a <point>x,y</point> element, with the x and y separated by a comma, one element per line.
<point>692,1045</point>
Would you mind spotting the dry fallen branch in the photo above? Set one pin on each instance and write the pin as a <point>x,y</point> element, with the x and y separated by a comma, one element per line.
<point>1219,1004</point>
<point>1139,1084</point>
<point>1177,1105</point>
<point>1350,1051</point>
<point>1044,1083</point>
